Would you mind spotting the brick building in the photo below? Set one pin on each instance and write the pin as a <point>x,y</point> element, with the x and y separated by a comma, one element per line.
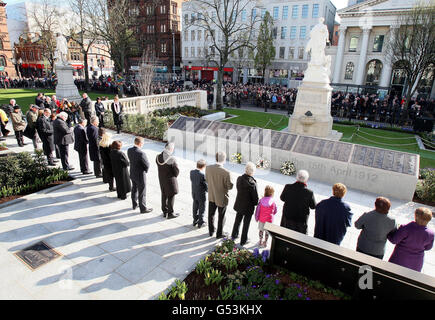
<point>160,26</point>
<point>7,67</point>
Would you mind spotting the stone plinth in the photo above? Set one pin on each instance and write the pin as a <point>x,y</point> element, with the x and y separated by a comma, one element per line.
<point>312,113</point>
<point>65,83</point>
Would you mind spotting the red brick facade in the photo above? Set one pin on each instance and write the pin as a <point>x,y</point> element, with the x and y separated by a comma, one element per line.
<point>7,68</point>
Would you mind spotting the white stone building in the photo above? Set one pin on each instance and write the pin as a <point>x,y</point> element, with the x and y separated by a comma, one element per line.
<point>361,52</point>
<point>293,21</point>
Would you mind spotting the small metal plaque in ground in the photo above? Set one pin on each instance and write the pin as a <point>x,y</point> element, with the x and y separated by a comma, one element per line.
<point>37,255</point>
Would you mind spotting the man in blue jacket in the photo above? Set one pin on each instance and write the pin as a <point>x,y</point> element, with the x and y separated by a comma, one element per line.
<point>333,216</point>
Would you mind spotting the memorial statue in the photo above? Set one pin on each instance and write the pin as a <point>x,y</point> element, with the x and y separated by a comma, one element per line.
<point>61,54</point>
<point>319,36</point>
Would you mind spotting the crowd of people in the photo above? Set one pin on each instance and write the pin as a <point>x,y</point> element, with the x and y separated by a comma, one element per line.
<point>49,122</point>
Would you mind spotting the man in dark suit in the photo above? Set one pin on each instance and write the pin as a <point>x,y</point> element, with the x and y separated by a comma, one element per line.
<point>168,172</point>
<point>99,112</point>
<point>81,145</point>
<point>39,100</point>
<point>298,200</point>
<point>45,131</point>
<point>62,138</point>
<point>139,166</point>
<point>85,104</point>
<point>199,190</point>
<point>94,153</point>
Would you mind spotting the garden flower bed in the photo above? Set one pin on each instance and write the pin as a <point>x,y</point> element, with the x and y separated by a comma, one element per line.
<point>22,174</point>
<point>230,273</point>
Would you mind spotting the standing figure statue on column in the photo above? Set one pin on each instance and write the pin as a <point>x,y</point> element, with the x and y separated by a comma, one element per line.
<point>319,36</point>
<point>61,54</point>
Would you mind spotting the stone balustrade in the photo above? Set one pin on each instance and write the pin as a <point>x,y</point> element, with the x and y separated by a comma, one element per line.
<point>146,104</point>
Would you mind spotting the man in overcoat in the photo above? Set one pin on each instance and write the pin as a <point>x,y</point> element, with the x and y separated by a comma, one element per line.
<point>94,154</point>
<point>81,145</point>
<point>63,137</point>
<point>168,173</point>
<point>45,131</point>
<point>219,183</point>
<point>139,167</point>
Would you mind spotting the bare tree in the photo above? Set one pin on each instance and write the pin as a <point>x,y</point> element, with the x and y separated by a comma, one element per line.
<point>412,46</point>
<point>83,32</point>
<point>117,23</point>
<point>229,26</point>
<point>147,67</point>
<point>45,20</point>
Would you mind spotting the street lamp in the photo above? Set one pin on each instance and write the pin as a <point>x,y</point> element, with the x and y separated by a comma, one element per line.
<point>100,63</point>
<point>183,72</point>
<point>190,70</point>
<point>173,56</point>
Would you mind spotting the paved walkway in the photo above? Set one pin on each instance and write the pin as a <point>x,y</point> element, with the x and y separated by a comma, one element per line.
<point>110,251</point>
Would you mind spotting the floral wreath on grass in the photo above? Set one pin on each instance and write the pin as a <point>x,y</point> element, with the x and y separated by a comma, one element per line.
<point>236,157</point>
<point>262,163</point>
<point>288,168</point>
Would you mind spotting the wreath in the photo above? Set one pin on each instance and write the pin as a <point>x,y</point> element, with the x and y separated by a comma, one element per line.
<point>236,157</point>
<point>288,168</point>
<point>262,163</point>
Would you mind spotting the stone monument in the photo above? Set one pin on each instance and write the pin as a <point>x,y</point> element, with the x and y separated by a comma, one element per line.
<point>65,83</point>
<point>312,112</point>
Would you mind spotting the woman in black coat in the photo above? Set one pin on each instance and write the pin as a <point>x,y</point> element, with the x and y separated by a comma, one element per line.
<point>120,170</point>
<point>117,113</point>
<point>246,200</point>
<point>105,150</point>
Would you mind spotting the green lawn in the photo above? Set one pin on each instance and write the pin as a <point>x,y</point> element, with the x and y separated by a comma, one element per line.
<point>399,141</point>
<point>25,97</point>
<point>257,119</point>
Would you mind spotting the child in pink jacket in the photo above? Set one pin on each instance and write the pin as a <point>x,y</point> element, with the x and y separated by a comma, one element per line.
<point>266,209</point>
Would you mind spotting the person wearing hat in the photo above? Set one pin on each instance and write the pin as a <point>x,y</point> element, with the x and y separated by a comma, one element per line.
<point>18,124</point>
<point>30,132</point>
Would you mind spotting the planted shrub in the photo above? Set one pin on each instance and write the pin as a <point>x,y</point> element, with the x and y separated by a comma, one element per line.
<point>22,174</point>
<point>426,187</point>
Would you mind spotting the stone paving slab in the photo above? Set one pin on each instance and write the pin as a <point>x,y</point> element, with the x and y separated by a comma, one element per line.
<point>110,251</point>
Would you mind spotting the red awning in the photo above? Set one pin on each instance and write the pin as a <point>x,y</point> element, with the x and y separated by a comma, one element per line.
<point>78,66</point>
<point>40,66</point>
<point>209,69</point>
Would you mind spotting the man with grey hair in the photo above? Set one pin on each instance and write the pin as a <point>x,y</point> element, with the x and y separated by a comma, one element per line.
<point>168,173</point>
<point>219,183</point>
<point>81,145</point>
<point>63,137</point>
<point>246,200</point>
<point>94,151</point>
<point>199,190</point>
<point>298,200</point>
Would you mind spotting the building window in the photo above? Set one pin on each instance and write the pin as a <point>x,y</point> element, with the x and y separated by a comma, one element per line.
<point>293,33</point>
<point>348,73</point>
<point>305,11</point>
<point>253,14</point>
<point>281,52</point>
<point>198,34</point>
<point>303,32</point>
<point>2,61</point>
<point>374,70</point>
<point>291,53</point>
<point>301,53</point>
<point>192,51</point>
<point>186,35</point>
<point>284,12</point>
<point>186,18</point>
<point>163,47</point>
<point>274,32</point>
<point>315,10</point>
<point>199,51</point>
<point>263,12</point>
<point>163,28</point>
<point>378,43</point>
<point>295,12</point>
<point>162,9</point>
<point>244,15</point>
<point>174,9</point>
<point>353,44</point>
<point>150,29</point>
<point>150,10</point>
<point>1,44</point>
<point>283,32</point>
<point>192,18</point>
<point>192,35</point>
<point>186,51</point>
<point>275,12</point>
